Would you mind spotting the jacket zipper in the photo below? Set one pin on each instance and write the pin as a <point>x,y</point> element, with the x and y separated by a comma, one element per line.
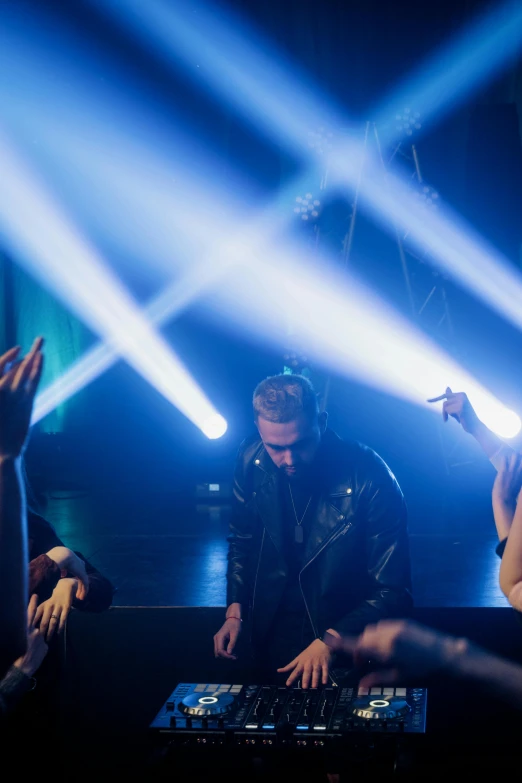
<point>257,574</point>
<point>328,541</point>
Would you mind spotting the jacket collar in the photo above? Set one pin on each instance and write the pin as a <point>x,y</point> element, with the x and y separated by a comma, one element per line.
<point>268,488</point>
<point>332,482</point>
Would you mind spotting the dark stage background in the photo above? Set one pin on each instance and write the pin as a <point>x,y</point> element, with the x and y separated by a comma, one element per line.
<point>117,468</point>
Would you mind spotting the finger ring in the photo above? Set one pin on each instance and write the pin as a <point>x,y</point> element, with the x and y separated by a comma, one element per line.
<point>54,617</point>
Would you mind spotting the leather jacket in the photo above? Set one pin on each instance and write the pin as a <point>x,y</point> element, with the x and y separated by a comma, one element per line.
<point>356,567</point>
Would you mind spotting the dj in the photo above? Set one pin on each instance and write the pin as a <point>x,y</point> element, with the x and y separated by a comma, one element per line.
<point>318,538</point>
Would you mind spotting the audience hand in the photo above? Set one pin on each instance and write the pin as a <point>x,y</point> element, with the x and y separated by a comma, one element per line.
<point>36,645</point>
<point>226,639</point>
<point>457,405</point>
<point>52,614</point>
<point>508,481</point>
<point>17,390</point>
<point>68,561</point>
<point>401,651</point>
<point>312,665</point>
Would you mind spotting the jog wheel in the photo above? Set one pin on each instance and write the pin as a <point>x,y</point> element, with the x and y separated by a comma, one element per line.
<point>381,708</point>
<point>206,704</point>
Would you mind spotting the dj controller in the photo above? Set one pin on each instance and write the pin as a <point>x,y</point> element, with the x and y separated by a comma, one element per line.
<point>265,716</point>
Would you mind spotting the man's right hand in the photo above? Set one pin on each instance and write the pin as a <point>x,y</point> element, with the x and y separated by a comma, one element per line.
<point>226,639</point>
<point>457,405</point>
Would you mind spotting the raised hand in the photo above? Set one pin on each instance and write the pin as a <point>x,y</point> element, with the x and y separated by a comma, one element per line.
<point>457,405</point>
<point>19,379</point>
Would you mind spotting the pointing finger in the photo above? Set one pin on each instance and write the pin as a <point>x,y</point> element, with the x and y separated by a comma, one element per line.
<point>438,399</point>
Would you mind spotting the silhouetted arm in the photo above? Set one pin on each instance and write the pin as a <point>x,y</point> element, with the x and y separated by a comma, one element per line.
<point>13,564</point>
<point>18,383</point>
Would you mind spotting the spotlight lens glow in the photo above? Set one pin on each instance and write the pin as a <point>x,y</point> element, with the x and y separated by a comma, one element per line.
<point>214,427</point>
<point>505,423</point>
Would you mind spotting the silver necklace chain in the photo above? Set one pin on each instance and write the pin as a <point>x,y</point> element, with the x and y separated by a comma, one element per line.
<point>298,521</point>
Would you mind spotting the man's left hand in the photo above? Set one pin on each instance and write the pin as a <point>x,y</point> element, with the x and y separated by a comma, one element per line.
<point>311,665</point>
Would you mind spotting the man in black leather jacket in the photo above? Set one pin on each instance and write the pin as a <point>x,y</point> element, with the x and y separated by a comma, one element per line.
<point>318,540</point>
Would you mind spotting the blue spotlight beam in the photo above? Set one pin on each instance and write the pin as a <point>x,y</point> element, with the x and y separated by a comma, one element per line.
<point>172,301</point>
<point>455,248</point>
<point>349,330</point>
<point>241,67</point>
<point>52,250</point>
<point>127,186</point>
<point>289,133</point>
<point>475,56</point>
<point>446,79</point>
<point>234,67</point>
<point>222,56</point>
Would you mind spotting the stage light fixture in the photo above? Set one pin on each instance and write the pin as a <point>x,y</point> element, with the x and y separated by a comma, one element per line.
<point>407,122</point>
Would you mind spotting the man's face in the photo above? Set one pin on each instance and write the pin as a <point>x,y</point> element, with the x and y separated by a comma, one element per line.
<point>293,444</point>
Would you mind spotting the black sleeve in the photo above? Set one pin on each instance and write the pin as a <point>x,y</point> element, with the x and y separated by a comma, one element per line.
<point>41,534</point>
<point>14,685</point>
<point>240,538</point>
<point>383,511</point>
<point>101,591</point>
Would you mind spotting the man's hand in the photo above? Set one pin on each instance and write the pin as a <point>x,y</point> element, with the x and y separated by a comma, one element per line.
<point>68,561</point>
<point>457,405</point>
<point>404,650</point>
<point>17,390</point>
<point>508,481</point>
<point>226,639</point>
<point>312,665</point>
<point>36,645</point>
<point>52,614</point>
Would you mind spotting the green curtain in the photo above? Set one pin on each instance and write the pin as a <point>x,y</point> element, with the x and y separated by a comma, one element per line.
<point>29,310</point>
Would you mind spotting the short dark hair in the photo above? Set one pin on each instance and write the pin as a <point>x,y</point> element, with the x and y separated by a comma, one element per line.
<point>281,398</point>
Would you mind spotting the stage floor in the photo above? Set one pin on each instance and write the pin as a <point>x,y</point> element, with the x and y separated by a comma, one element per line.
<point>176,556</point>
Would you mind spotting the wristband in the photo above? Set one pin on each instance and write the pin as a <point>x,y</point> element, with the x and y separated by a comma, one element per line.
<point>232,617</point>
